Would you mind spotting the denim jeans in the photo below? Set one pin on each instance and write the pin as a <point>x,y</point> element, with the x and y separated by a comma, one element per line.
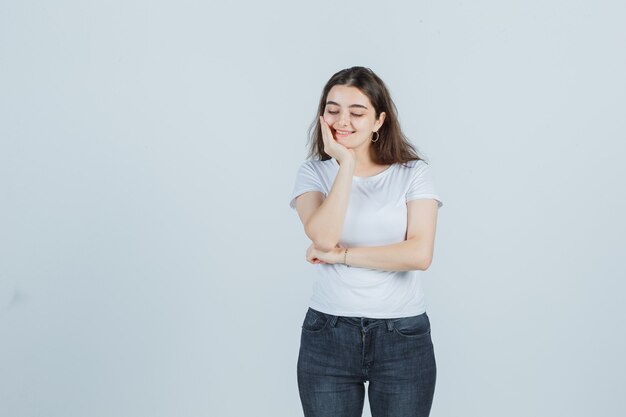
<point>339,354</point>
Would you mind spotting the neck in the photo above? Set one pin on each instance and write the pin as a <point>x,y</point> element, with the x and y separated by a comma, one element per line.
<point>363,159</point>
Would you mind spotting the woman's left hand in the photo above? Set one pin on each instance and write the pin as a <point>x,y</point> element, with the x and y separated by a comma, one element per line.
<point>316,256</point>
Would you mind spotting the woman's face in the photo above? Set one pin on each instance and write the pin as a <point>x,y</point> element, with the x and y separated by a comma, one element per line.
<point>350,116</point>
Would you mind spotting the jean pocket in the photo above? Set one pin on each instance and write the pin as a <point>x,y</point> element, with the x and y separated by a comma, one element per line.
<point>412,327</point>
<point>314,321</point>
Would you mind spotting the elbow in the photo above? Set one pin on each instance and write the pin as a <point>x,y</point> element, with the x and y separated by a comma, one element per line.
<point>422,264</point>
<point>425,265</point>
<point>421,255</point>
<point>322,243</point>
<point>324,246</point>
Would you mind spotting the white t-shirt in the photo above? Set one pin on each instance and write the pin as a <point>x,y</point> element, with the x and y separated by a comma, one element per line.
<point>376,216</point>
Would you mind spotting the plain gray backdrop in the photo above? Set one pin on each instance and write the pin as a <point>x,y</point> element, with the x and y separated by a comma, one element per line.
<point>150,264</point>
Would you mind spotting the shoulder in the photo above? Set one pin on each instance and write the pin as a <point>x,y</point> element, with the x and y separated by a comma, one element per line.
<point>317,165</point>
<point>320,163</point>
<point>415,165</point>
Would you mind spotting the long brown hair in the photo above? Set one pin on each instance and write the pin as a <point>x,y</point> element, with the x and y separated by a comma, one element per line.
<point>392,145</point>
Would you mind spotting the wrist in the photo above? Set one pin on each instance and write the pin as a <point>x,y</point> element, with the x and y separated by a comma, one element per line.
<point>338,254</point>
<point>348,162</point>
<point>343,256</point>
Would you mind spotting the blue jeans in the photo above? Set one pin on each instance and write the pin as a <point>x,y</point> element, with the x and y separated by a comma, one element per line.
<point>338,354</point>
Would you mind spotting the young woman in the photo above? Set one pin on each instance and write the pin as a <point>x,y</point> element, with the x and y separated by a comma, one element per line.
<point>369,206</point>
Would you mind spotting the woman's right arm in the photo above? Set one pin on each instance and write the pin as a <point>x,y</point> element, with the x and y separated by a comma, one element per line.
<point>323,218</point>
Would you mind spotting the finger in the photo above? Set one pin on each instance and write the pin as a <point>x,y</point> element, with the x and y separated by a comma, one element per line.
<point>324,128</point>
<point>326,133</point>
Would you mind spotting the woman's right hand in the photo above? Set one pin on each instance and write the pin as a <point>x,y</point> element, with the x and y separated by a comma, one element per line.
<point>334,148</point>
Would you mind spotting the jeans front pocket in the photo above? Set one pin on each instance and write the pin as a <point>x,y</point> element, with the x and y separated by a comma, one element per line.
<point>413,326</point>
<point>314,321</point>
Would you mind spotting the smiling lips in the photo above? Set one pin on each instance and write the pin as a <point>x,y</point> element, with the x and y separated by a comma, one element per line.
<point>343,133</point>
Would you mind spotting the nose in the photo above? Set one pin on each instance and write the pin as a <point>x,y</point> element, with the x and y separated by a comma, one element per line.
<point>343,121</point>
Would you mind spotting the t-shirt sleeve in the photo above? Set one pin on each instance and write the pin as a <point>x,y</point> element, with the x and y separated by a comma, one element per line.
<point>306,180</point>
<point>422,185</point>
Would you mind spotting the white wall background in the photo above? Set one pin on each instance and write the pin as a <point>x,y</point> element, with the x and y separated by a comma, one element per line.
<point>150,264</point>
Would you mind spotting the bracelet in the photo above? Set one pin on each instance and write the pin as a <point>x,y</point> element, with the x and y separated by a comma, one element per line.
<point>344,256</point>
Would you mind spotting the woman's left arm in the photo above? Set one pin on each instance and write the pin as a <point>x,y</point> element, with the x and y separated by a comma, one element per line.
<point>414,253</point>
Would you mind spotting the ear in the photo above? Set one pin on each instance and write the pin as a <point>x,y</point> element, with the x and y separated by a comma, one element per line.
<point>380,121</point>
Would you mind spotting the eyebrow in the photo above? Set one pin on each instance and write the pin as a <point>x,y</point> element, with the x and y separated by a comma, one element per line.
<point>351,105</point>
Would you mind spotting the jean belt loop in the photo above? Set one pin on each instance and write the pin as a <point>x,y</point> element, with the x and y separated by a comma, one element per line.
<point>389,324</point>
<point>333,320</point>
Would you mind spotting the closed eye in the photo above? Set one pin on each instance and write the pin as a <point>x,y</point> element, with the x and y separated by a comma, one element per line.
<point>353,114</point>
